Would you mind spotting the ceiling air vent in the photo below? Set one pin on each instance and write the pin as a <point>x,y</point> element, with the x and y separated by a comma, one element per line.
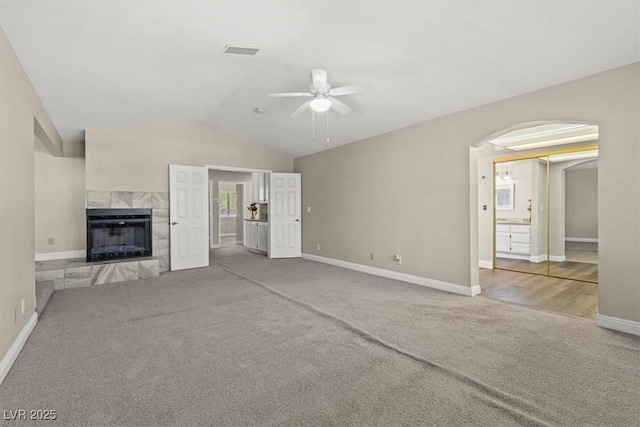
<point>240,50</point>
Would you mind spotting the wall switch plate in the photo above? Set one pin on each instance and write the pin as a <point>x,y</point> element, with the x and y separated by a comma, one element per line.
<point>24,305</point>
<point>371,255</point>
<point>308,209</point>
<point>484,207</point>
<point>50,240</point>
<point>398,259</point>
<point>318,246</point>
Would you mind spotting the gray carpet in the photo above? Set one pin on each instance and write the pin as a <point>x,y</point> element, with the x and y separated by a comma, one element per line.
<point>250,341</point>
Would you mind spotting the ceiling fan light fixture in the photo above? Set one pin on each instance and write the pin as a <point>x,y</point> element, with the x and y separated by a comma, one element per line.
<point>320,104</point>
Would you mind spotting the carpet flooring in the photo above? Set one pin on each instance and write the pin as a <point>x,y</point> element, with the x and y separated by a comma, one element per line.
<point>249,342</point>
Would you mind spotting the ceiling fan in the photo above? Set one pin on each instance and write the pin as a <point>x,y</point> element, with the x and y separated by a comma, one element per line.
<point>323,96</point>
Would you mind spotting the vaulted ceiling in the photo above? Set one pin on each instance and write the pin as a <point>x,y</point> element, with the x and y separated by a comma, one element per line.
<point>103,64</point>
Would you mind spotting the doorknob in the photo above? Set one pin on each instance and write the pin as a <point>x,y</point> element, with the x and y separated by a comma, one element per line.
<point>174,223</point>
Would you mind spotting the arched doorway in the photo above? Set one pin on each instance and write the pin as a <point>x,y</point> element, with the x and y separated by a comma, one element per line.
<point>522,217</point>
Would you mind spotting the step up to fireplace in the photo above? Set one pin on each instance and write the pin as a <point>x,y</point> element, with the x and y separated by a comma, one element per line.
<point>75,273</point>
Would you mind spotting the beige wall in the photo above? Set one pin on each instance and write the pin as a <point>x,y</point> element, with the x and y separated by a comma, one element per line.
<point>359,207</point>
<point>228,225</point>
<point>485,198</point>
<point>137,158</point>
<point>59,202</point>
<point>581,203</point>
<point>20,107</point>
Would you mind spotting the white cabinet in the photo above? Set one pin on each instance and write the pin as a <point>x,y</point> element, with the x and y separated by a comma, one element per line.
<point>263,236</point>
<point>260,187</point>
<point>513,241</point>
<point>248,238</point>
<point>256,236</point>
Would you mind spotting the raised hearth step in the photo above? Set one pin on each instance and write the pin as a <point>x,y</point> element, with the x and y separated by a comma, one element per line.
<point>44,290</point>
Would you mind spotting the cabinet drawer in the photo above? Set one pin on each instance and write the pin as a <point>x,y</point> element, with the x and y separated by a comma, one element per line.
<point>520,248</point>
<point>520,228</point>
<point>502,228</point>
<point>520,238</point>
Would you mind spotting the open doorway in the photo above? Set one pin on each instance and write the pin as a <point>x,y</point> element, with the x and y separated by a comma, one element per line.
<point>229,194</point>
<point>533,196</point>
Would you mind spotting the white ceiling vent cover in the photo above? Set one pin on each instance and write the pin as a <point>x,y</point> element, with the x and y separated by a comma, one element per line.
<point>240,50</point>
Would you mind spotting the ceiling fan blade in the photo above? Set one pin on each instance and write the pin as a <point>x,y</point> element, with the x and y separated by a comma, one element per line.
<point>319,78</point>
<point>304,107</point>
<point>284,95</point>
<point>339,106</point>
<point>347,90</point>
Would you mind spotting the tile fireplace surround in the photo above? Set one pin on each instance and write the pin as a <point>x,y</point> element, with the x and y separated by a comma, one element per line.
<point>159,204</point>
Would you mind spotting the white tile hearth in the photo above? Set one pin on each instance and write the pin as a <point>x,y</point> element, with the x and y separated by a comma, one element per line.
<point>104,273</point>
<point>161,200</point>
<point>160,216</point>
<point>75,277</point>
<point>159,204</point>
<point>75,273</point>
<point>163,262</point>
<point>121,199</point>
<point>142,200</point>
<point>57,275</point>
<point>126,271</point>
<point>161,231</point>
<point>147,269</point>
<point>98,199</point>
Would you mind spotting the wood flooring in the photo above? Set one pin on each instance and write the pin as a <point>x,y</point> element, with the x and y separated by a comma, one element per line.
<point>565,270</point>
<point>559,295</point>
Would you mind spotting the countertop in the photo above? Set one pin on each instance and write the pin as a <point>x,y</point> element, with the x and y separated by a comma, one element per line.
<point>514,221</point>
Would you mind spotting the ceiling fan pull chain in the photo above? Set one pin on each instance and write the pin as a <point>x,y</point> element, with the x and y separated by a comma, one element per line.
<point>313,125</point>
<point>327,125</point>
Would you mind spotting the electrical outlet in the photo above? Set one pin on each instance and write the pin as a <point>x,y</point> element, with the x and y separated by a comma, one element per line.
<point>24,305</point>
<point>398,259</point>
<point>50,240</point>
<point>318,246</point>
<point>371,255</point>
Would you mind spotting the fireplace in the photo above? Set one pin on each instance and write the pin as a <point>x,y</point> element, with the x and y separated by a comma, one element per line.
<point>118,233</point>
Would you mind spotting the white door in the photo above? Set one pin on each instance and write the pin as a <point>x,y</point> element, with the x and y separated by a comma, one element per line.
<point>188,216</point>
<point>285,227</point>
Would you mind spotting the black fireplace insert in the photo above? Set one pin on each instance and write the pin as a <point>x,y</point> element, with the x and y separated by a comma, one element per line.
<point>118,233</point>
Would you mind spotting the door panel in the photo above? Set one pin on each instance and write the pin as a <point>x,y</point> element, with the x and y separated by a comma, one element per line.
<point>285,237</point>
<point>189,217</point>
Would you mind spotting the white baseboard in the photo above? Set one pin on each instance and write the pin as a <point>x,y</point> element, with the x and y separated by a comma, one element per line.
<point>485,264</point>
<point>617,324</point>
<point>416,280</point>
<point>538,258</point>
<point>558,258</point>
<point>227,234</point>
<point>239,242</point>
<point>581,239</point>
<point>49,256</point>
<point>14,350</point>
<point>215,246</point>
<point>513,256</point>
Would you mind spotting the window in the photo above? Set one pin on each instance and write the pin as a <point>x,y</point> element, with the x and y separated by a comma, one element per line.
<point>227,203</point>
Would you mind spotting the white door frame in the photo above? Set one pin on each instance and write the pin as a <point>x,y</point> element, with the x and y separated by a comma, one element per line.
<point>233,169</point>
